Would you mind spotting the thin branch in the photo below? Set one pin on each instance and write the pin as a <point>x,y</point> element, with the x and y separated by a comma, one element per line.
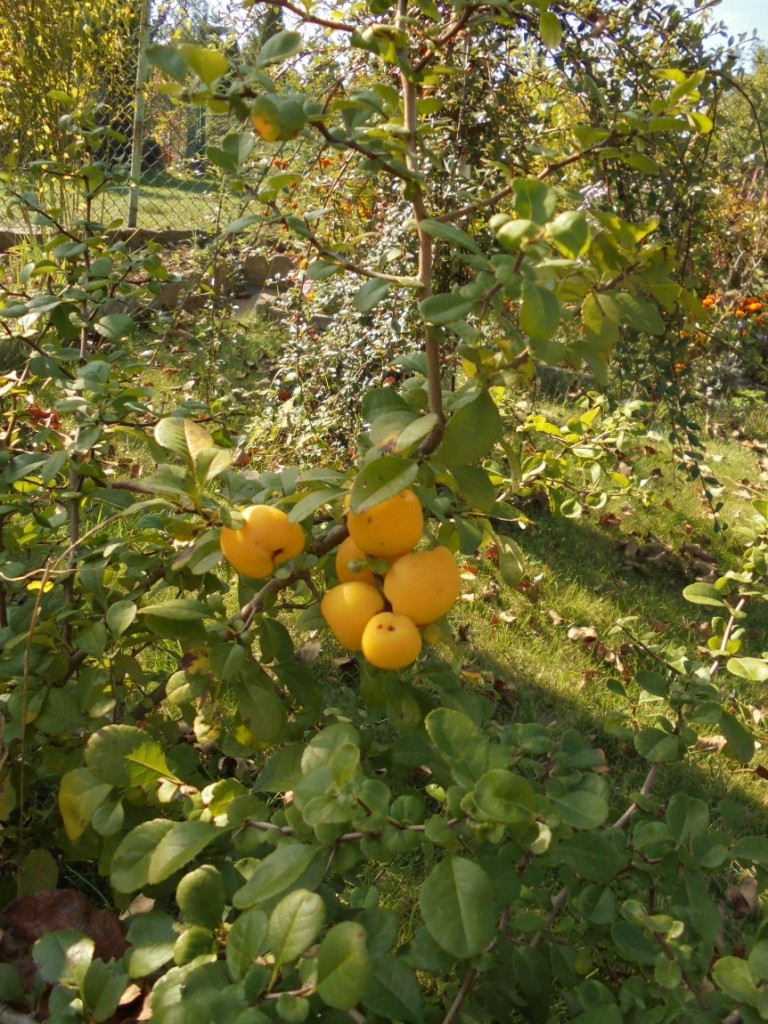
<point>341,26</point>
<point>358,147</point>
<point>496,198</point>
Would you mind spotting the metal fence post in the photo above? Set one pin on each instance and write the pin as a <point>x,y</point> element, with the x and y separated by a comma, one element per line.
<point>139,112</point>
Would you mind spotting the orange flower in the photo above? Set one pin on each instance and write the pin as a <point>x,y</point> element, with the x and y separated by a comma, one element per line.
<point>753,305</point>
<point>740,313</point>
<point>708,301</point>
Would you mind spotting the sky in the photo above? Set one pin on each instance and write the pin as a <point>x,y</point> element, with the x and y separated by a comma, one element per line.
<point>743,16</point>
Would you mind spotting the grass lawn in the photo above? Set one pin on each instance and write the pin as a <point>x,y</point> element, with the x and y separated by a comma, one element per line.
<point>165,201</point>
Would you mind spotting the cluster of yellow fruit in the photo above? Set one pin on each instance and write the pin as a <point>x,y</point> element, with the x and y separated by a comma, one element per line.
<point>420,586</point>
<point>267,540</point>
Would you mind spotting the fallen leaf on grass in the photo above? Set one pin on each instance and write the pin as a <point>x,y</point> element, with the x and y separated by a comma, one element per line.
<point>586,634</point>
<point>308,652</point>
<point>610,520</point>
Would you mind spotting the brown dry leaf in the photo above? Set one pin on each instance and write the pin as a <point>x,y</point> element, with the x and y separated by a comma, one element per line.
<point>604,768</point>
<point>492,553</point>
<point>610,520</point>
<point>490,593</point>
<point>761,772</point>
<point>586,634</point>
<point>468,598</point>
<point>530,588</point>
<point>508,617</point>
<point>743,897</point>
<point>463,633</point>
<point>28,918</point>
<point>308,653</point>
<point>555,617</point>
<point>713,743</point>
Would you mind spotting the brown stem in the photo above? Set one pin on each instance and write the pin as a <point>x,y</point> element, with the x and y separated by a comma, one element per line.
<point>426,248</point>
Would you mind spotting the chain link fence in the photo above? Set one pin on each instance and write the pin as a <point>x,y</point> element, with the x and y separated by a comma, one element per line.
<point>91,51</point>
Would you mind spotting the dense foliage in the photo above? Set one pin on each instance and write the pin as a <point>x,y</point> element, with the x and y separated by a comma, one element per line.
<point>522,186</point>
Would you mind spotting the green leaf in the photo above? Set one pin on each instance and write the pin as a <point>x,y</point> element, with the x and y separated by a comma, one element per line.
<point>460,743</point>
<point>449,233</point>
<point>445,308</point>
<point>633,943</point>
<point>344,966</point>
<point>571,233</point>
<point>208,65</point>
<point>120,615</point>
<point>81,793</point>
<point>754,669</point>
<point>245,941</point>
<point>504,796</point>
<point>550,29</point>
<point>276,873</point>
<point>704,593</point>
<point>687,817</point>
<point>313,500</point>
<point>180,609</point>
<point>471,431</point>
<point>278,47</point>
<point>581,808</point>
<point>394,993</point>
<point>261,711</point>
<point>534,200</point>
<point>741,742</point>
<point>115,326</point>
<point>640,314</point>
<point>732,975</point>
<point>182,436</point>
<point>62,957</point>
<point>753,849</point>
<point>294,925</point>
<point>458,906</point>
<point>539,312</point>
<point>200,896</point>
<point>234,227</point>
<point>600,319</point>
<point>511,562</point>
<point>370,294</point>
<point>131,861</point>
<point>178,847</point>
<point>227,660</point>
<point>151,937</point>
<point>101,989</point>
<point>123,756</point>
<point>169,60</point>
<point>381,479</point>
<point>475,487</point>
<point>596,856</point>
<point>658,747</point>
